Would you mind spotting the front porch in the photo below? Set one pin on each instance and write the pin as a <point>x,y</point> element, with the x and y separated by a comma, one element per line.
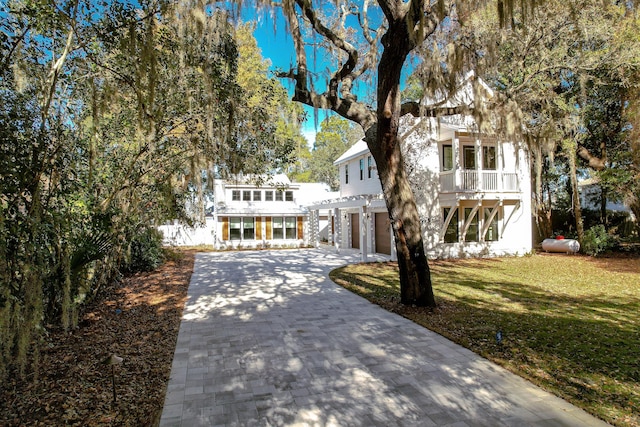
<point>354,224</point>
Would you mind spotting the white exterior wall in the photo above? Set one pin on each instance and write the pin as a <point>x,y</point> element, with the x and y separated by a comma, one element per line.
<point>422,149</point>
<point>355,186</point>
<point>183,235</point>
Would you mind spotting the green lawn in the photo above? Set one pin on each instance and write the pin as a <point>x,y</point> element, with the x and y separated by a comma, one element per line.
<point>570,324</point>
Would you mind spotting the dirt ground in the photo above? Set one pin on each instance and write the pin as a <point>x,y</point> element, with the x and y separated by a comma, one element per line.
<point>136,319</point>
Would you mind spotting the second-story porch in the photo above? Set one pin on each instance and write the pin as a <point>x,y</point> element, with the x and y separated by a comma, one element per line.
<point>463,180</point>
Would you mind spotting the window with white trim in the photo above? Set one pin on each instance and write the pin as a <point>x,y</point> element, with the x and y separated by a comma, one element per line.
<point>284,227</point>
<point>452,232</point>
<point>471,217</point>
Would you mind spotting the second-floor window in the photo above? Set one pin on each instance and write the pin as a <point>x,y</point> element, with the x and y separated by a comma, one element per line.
<point>288,196</point>
<point>246,195</point>
<point>489,157</point>
<point>268,196</point>
<point>346,174</point>
<point>369,165</point>
<point>361,169</point>
<point>279,195</point>
<point>469,157</point>
<point>447,157</point>
<point>257,195</point>
<point>235,195</point>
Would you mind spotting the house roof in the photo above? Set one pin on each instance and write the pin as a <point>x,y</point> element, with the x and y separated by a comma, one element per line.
<point>464,96</point>
<point>356,150</point>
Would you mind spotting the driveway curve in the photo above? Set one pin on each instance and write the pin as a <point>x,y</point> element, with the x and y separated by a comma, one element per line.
<point>267,339</point>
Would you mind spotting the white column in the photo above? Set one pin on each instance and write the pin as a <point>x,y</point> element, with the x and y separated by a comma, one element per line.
<point>337,241</point>
<point>363,232</point>
<point>457,176</point>
<point>394,253</point>
<point>316,228</point>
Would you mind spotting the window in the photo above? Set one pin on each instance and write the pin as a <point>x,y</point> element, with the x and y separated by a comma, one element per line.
<point>288,196</point>
<point>361,169</point>
<point>249,231</point>
<point>346,174</point>
<point>451,235</point>
<point>279,195</point>
<point>257,195</point>
<point>472,231</point>
<point>235,228</point>
<point>284,227</point>
<point>469,157</point>
<point>489,157</point>
<point>278,229</point>
<point>235,195</point>
<point>492,230</point>
<point>290,227</point>
<point>242,228</point>
<point>369,165</point>
<point>268,196</point>
<point>447,157</point>
<point>246,195</point>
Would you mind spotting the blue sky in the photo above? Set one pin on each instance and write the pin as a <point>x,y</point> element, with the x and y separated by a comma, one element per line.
<point>276,45</point>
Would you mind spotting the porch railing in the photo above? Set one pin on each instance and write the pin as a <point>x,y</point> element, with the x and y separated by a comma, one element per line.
<point>473,180</point>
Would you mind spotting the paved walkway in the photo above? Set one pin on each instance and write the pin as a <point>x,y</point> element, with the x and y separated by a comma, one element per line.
<point>268,340</point>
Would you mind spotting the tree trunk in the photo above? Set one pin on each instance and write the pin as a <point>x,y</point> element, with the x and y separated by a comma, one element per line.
<point>384,144</point>
<point>575,195</point>
<point>542,210</point>
<point>415,277</point>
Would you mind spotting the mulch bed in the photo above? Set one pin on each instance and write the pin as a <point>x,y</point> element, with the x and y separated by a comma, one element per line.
<point>136,319</point>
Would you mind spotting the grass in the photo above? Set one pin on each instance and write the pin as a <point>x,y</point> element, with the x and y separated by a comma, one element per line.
<point>570,324</point>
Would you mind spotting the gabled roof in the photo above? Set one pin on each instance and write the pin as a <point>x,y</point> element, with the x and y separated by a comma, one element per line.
<point>465,94</point>
<point>356,150</point>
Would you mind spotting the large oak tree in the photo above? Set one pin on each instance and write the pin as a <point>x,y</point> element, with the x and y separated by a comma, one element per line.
<point>371,42</point>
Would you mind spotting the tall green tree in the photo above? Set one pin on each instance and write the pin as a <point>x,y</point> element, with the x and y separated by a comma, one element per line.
<point>371,42</point>
<point>335,137</point>
<point>110,116</point>
<point>545,66</point>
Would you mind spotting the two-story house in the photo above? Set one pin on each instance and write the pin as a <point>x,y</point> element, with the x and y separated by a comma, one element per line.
<point>268,214</point>
<point>255,213</point>
<point>473,193</point>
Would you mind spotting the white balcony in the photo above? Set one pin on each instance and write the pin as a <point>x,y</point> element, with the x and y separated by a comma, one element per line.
<point>478,181</point>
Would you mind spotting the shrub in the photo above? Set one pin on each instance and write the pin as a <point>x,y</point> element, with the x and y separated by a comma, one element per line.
<point>145,251</point>
<point>597,240</point>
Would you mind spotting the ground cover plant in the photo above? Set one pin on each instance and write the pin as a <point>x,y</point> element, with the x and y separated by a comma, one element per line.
<point>570,324</point>
<point>136,318</point>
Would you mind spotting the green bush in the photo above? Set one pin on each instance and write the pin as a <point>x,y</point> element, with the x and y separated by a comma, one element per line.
<point>145,251</point>
<point>597,240</point>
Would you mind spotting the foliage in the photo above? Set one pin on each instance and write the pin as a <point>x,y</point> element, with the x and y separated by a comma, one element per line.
<point>110,117</point>
<point>137,320</point>
<point>597,240</point>
<point>335,137</point>
<point>145,251</point>
<point>569,323</point>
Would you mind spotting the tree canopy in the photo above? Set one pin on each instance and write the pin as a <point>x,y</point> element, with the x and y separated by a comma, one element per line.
<point>113,118</point>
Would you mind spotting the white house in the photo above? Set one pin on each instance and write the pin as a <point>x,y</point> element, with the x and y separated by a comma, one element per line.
<point>250,213</point>
<point>473,193</point>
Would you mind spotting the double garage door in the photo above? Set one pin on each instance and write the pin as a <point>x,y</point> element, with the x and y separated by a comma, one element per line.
<point>382,229</point>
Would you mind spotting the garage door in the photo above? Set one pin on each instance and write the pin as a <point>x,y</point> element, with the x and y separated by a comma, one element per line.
<point>383,239</point>
<point>355,231</point>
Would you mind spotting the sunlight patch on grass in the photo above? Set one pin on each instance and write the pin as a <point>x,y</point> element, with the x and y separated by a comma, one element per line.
<point>569,323</point>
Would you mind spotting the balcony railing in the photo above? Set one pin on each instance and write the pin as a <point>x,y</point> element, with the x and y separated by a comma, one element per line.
<point>473,180</point>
